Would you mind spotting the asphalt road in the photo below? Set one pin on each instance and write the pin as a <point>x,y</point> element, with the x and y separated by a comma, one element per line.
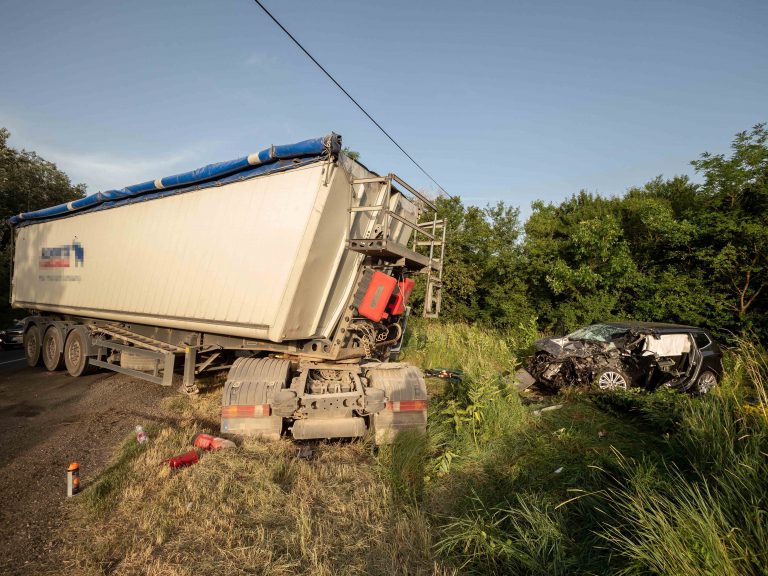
<point>48,420</point>
<point>9,358</point>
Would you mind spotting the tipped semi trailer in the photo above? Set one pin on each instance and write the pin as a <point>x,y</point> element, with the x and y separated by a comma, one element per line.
<point>291,269</point>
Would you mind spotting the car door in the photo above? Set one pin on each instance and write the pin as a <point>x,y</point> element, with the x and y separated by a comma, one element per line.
<point>694,365</point>
<point>711,356</point>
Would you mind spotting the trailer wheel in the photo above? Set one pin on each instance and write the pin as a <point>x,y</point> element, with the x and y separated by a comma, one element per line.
<point>53,348</point>
<point>76,353</point>
<point>32,346</point>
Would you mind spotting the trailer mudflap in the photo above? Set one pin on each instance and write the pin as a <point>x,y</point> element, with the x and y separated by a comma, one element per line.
<point>406,400</point>
<point>248,393</point>
<point>388,423</point>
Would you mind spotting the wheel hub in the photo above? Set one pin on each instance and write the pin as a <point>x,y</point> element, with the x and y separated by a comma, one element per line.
<point>611,380</point>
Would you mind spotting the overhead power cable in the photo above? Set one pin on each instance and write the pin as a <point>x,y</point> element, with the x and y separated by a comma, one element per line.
<point>348,95</point>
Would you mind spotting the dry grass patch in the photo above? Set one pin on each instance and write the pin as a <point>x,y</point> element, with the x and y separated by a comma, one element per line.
<point>257,509</point>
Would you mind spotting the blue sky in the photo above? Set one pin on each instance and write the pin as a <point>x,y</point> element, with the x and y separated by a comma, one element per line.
<point>513,101</point>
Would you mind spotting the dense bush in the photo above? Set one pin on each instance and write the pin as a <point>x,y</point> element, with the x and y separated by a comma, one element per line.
<point>671,250</point>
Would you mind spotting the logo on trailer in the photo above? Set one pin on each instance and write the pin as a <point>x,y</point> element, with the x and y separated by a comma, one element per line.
<point>61,256</point>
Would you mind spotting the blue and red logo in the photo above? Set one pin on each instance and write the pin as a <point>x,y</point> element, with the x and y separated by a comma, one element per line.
<point>61,256</point>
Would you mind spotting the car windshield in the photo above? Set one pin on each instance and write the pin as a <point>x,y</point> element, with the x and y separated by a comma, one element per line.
<point>597,333</point>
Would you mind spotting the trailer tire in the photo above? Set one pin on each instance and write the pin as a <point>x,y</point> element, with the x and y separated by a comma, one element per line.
<point>76,353</point>
<point>32,345</point>
<point>53,349</point>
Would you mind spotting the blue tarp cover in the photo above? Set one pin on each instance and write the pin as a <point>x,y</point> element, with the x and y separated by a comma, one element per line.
<point>273,159</point>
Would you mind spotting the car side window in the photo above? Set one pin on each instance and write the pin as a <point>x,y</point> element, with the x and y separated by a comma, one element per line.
<point>701,339</point>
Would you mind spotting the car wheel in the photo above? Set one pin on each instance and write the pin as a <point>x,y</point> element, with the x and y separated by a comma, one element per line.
<point>612,378</point>
<point>705,382</point>
<point>52,350</point>
<point>32,345</point>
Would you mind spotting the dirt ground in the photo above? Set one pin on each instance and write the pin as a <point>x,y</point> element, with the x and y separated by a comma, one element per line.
<point>48,420</point>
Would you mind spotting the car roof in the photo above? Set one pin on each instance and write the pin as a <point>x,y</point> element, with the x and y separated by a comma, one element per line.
<point>657,326</point>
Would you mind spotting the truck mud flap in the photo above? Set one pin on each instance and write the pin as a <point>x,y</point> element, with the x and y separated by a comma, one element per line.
<point>248,392</point>
<point>406,400</point>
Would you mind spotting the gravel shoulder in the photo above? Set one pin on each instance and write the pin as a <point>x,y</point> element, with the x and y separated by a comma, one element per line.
<point>48,420</point>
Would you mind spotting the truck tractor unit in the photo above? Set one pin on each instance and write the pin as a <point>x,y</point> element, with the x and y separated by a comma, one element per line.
<point>291,268</point>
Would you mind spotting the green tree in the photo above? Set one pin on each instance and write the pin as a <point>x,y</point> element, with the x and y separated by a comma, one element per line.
<point>669,251</point>
<point>580,266</point>
<point>733,222</point>
<point>659,222</point>
<point>483,271</point>
<point>351,153</point>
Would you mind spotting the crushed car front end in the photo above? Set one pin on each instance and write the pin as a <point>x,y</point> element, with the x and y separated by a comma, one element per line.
<point>579,358</point>
<point>620,355</point>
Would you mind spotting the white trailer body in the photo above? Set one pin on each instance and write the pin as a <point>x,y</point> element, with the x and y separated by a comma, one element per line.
<point>263,258</point>
<point>298,255</point>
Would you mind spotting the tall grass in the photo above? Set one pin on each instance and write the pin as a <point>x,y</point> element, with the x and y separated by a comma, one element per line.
<point>485,523</point>
<point>479,352</point>
<point>404,463</point>
<point>525,536</point>
<point>678,488</point>
<point>483,406</point>
<point>711,515</point>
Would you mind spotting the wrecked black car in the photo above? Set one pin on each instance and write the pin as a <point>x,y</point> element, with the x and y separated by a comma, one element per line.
<point>619,355</point>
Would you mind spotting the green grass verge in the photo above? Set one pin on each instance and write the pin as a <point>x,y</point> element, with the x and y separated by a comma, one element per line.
<point>629,483</point>
<point>632,483</point>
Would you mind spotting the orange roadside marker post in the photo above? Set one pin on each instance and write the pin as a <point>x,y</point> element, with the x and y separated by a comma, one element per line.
<point>73,479</point>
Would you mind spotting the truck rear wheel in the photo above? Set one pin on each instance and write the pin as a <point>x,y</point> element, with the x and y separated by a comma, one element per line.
<point>53,348</point>
<point>76,353</point>
<point>32,347</point>
<point>247,404</point>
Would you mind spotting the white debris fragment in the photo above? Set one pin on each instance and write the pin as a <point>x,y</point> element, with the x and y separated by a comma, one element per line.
<point>547,409</point>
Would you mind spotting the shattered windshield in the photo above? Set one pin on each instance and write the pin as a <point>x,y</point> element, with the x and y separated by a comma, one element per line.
<point>597,333</point>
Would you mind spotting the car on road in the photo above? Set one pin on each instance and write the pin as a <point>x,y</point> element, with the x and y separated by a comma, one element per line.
<point>620,355</point>
<point>13,336</point>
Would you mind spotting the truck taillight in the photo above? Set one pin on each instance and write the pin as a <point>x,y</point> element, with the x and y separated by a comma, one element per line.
<point>407,406</point>
<point>249,411</point>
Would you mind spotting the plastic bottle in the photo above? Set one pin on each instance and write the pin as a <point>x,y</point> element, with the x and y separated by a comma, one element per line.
<point>187,459</point>
<point>141,436</point>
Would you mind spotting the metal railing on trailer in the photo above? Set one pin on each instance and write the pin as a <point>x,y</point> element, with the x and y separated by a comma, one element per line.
<point>429,236</point>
